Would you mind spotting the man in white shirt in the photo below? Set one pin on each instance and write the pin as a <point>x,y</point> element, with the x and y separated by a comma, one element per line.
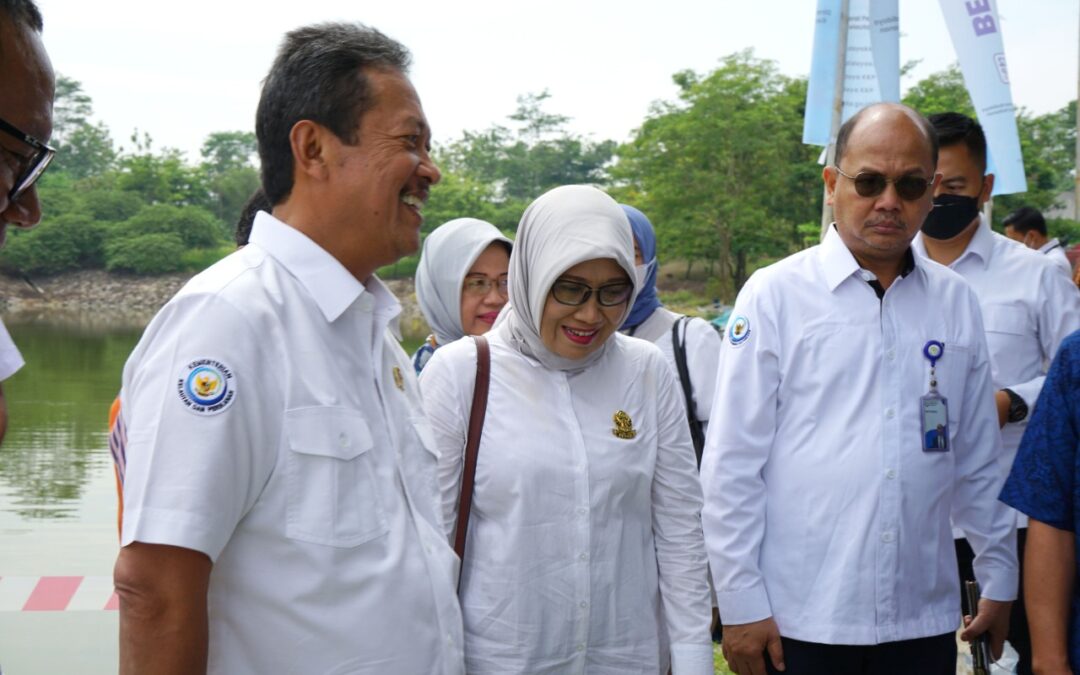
<point>26,100</point>
<point>280,509</point>
<point>1028,306</point>
<point>827,514</point>
<point>1027,226</point>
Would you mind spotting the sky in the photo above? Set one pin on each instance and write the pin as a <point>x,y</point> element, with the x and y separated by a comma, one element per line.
<point>181,71</point>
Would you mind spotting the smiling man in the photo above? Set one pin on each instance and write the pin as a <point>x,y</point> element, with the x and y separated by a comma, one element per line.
<point>827,497</point>
<point>27,87</point>
<point>278,472</point>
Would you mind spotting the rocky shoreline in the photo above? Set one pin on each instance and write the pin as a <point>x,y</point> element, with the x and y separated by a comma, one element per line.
<point>93,297</point>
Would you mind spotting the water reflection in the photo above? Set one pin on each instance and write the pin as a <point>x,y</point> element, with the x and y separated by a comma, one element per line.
<point>58,406</point>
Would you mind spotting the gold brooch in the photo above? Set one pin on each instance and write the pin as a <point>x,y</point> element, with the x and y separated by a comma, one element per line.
<point>399,381</point>
<point>624,426</point>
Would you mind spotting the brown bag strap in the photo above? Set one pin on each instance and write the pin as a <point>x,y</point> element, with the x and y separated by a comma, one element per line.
<point>472,443</point>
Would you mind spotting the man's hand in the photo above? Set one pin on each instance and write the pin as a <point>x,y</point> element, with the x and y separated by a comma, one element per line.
<point>1003,402</point>
<point>993,617</point>
<point>745,645</point>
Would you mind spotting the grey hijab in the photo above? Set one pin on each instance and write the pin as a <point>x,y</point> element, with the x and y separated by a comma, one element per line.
<point>449,252</point>
<point>564,227</point>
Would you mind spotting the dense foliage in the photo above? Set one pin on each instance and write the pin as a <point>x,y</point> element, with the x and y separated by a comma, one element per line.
<point>720,170</point>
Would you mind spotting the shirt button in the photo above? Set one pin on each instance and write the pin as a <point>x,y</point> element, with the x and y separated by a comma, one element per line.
<point>887,537</point>
<point>891,354</point>
<point>343,440</point>
<point>582,512</point>
<point>580,647</point>
<point>890,474</point>
<point>367,302</point>
<point>583,556</point>
<point>890,413</point>
<point>584,604</point>
<point>450,639</point>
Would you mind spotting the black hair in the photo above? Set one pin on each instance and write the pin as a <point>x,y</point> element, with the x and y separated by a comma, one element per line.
<point>954,128</point>
<point>849,126</point>
<point>24,12</point>
<point>318,75</point>
<point>255,203</point>
<point>1025,219</point>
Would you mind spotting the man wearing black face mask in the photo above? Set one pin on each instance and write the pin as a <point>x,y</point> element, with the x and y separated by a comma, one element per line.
<point>1028,307</point>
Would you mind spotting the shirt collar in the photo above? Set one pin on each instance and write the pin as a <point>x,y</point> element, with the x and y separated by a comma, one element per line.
<point>333,287</point>
<point>838,263</point>
<point>981,245</point>
<point>1050,245</point>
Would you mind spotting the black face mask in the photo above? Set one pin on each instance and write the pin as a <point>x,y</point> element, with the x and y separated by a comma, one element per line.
<point>950,215</point>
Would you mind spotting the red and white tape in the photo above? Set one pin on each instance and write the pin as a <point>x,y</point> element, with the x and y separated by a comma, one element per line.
<point>57,594</point>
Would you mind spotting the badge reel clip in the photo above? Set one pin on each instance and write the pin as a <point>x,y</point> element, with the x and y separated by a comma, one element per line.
<point>933,406</point>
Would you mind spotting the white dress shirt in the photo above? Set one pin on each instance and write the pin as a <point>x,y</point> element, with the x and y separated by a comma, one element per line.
<point>10,358</point>
<point>313,487</point>
<point>1028,308</point>
<point>577,537</point>
<point>1055,253</point>
<point>702,353</point>
<point>821,508</point>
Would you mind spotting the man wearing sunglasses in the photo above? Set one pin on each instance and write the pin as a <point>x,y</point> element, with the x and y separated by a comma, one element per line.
<point>26,99</point>
<point>827,501</point>
<point>1028,306</point>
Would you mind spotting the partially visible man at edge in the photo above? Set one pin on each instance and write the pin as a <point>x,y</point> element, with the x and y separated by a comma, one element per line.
<point>827,514</point>
<point>280,506</point>
<point>27,87</point>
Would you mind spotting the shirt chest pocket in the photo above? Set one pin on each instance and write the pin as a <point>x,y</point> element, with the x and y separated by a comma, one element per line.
<point>1007,321</point>
<point>332,498</point>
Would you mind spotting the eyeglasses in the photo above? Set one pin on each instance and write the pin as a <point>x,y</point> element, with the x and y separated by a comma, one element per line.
<point>30,167</point>
<point>871,184</point>
<point>573,293</point>
<point>481,286</point>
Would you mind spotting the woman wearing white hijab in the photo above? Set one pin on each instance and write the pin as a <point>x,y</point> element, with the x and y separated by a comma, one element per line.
<point>585,519</point>
<point>460,282</point>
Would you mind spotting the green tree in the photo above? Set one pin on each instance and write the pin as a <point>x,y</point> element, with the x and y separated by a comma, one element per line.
<point>192,225</point>
<point>157,253</point>
<point>722,172</point>
<point>231,176</point>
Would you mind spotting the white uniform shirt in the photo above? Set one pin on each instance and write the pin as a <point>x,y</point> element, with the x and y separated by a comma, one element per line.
<point>10,358</point>
<point>1055,253</point>
<point>821,508</point>
<point>1028,308</point>
<point>702,353</point>
<point>313,488</point>
<point>577,537</point>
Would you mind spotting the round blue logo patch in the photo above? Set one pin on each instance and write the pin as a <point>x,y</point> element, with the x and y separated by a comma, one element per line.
<point>206,387</point>
<point>739,330</point>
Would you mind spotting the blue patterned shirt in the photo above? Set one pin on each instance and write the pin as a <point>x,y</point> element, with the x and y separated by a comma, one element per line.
<point>1045,478</point>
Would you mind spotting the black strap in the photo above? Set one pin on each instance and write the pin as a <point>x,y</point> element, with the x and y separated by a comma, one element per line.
<point>678,344</point>
<point>472,446</point>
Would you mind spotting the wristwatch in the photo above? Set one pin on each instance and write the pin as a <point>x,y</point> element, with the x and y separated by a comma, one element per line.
<point>1018,410</point>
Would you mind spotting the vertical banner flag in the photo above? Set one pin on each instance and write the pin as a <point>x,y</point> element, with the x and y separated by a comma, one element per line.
<point>872,62</point>
<point>976,35</point>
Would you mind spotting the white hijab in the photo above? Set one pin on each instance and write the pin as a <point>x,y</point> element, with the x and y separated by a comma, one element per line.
<point>449,253</point>
<point>564,227</point>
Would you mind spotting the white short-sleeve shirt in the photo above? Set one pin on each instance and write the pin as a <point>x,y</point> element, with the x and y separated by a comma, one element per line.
<point>10,358</point>
<point>822,509</point>
<point>273,423</point>
<point>584,522</point>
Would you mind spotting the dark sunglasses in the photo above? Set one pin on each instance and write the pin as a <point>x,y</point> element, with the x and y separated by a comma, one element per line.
<point>573,293</point>
<point>871,184</point>
<point>32,166</point>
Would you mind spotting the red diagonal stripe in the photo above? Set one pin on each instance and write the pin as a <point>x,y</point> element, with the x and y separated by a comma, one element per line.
<point>52,594</point>
<point>113,603</point>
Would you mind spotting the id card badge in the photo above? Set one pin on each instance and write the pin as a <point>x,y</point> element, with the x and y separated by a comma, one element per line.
<point>934,407</point>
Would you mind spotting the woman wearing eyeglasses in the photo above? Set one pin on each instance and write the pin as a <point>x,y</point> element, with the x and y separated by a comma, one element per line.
<point>585,519</point>
<point>460,282</point>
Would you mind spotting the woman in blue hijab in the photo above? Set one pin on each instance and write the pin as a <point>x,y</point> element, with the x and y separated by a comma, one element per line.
<point>690,344</point>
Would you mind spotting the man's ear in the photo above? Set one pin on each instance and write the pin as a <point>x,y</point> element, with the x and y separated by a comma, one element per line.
<point>308,142</point>
<point>828,174</point>
<point>987,189</point>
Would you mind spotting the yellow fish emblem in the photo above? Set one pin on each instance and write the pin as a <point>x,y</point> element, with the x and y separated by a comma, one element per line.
<point>624,426</point>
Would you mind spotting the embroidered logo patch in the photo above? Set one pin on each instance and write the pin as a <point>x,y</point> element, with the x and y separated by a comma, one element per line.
<point>739,330</point>
<point>206,387</point>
